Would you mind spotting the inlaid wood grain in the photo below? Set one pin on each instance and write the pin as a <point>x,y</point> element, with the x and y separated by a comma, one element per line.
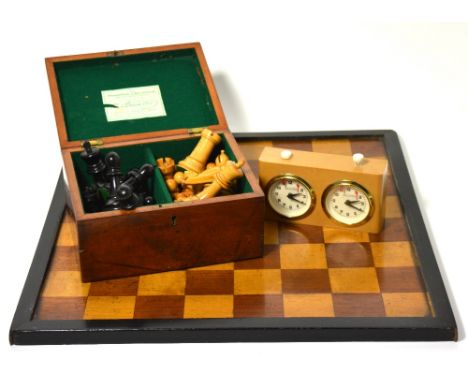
<point>305,272</point>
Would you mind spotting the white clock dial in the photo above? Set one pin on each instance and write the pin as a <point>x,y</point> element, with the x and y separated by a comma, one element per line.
<point>348,203</point>
<point>290,196</point>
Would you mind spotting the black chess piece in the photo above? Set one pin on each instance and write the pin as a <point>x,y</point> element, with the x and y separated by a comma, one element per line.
<point>95,166</point>
<point>92,199</point>
<point>147,201</point>
<point>136,181</point>
<point>114,178</point>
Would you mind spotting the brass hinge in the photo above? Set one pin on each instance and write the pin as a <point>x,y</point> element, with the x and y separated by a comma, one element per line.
<point>94,142</point>
<point>195,130</point>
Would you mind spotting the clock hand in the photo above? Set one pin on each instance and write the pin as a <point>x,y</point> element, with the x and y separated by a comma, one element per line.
<point>291,196</point>
<point>350,204</point>
<point>352,201</point>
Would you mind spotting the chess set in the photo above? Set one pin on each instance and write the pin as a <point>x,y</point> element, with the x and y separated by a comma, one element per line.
<point>180,231</point>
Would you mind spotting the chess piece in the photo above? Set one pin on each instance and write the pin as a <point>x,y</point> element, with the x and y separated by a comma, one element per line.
<point>221,159</point>
<point>208,176</point>
<point>179,177</point>
<point>171,185</point>
<point>95,166</point>
<point>196,161</point>
<point>92,199</point>
<point>127,198</point>
<point>185,194</point>
<point>127,192</point>
<point>114,177</point>
<point>167,167</point>
<point>148,201</point>
<point>113,172</point>
<point>223,179</point>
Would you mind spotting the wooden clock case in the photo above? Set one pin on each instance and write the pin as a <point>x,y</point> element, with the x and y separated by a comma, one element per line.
<point>164,236</point>
<point>321,171</point>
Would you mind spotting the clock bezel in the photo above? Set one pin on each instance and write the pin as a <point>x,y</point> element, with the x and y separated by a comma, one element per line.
<point>290,176</point>
<point>352,183</point>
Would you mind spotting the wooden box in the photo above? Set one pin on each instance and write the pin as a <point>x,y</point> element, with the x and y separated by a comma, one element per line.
<point>166,235</point>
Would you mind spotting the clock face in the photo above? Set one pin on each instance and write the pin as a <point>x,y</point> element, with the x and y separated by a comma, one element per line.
<point>347,203</point>
<point>290,196</point>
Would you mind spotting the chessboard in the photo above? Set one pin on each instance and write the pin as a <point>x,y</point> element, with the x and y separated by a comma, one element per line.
<point>309,273</point>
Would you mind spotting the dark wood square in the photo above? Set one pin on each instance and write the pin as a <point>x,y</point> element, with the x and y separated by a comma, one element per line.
<point>341,255</point>
<point>394,230</point>
<point>369,147</point>
<point>390,188</point>
<point>209,282</point>
<point>61,308</point>
<point>358,305</point>
<point>294,144</point>
<point>401,279</point>
<point>258,305</point>
<point>147,307</point>
<point>254,166</point>
<point>118,287</point>
<point>305,281</point>
<point>66,259</point>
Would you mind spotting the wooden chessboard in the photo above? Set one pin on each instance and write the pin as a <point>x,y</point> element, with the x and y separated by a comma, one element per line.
<point>306,273</point>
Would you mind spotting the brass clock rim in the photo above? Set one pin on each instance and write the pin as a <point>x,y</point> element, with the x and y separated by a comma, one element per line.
<point>346,182</point>
<point>306,185</point>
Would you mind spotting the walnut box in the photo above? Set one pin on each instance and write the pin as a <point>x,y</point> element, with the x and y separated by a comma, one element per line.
<point>168,95</point>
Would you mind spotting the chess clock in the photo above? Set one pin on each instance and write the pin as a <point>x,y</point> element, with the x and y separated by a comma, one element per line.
<point>341,191</point>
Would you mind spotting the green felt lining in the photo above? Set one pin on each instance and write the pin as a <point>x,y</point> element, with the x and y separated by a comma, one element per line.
<point>137,155</point>
<point>178,73</point>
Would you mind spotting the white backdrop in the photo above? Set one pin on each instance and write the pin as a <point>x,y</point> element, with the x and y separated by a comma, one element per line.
<point>277,67</point>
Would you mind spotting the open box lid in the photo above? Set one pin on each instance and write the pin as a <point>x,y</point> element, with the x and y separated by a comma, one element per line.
<point>134,94</point>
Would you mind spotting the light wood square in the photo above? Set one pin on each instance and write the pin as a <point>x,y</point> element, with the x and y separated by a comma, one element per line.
<point>406,304</point>
<point>257,281</point>
<point>392,254</point>
<point>334,235</point>
<point>215,267</point>
<point>392,207</point>
<point>109,307</point>
<point>308,305</point>
<point>270,232</point>
<point>165,283</point>
<point>354,280</point>
<point>65,284</point>
<point>332,146</point>
<point>67,235</point>
<point>209,306</point>
<point>252,150</point>
<point>303,256</point>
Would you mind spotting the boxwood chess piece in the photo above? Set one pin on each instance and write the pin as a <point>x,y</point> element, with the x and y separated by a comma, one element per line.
<point>196,161</point>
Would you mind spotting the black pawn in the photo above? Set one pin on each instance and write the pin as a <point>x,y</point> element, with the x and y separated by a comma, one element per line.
<point>95,166</point>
